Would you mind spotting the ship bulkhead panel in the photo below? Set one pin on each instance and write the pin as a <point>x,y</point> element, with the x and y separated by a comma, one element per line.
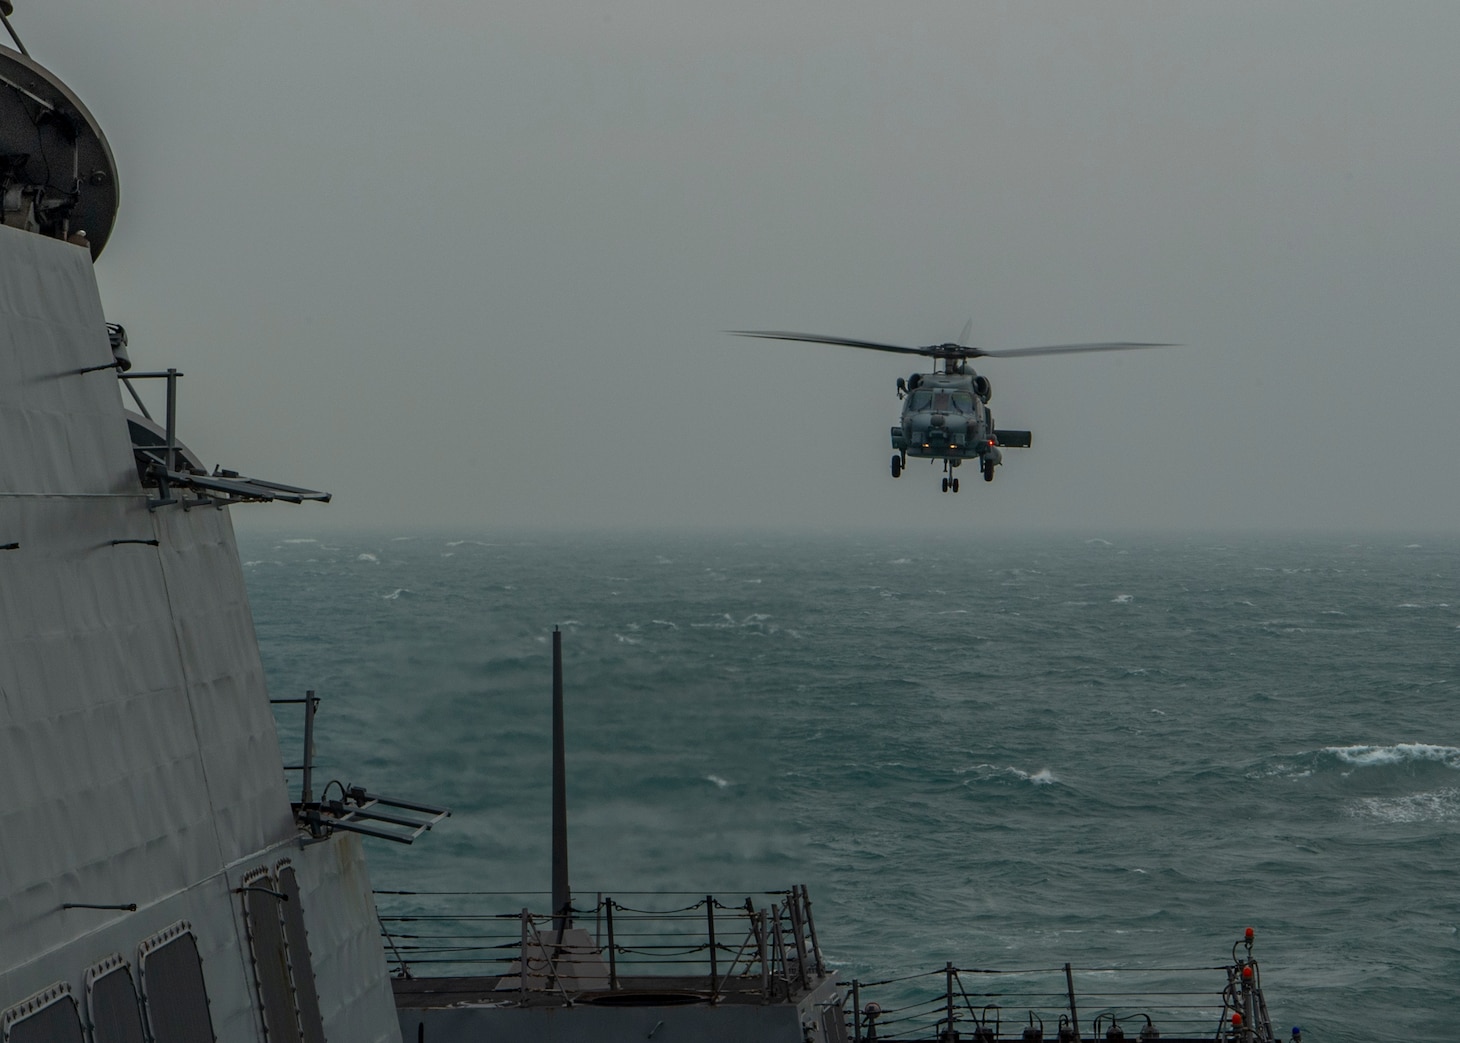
<point>139,762</point>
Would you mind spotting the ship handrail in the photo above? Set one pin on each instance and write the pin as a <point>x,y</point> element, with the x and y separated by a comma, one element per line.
<point>1147,993</point>
<point>677,944</point>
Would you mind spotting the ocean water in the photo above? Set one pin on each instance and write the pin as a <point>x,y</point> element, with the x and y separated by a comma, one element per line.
<point>1000,753</point>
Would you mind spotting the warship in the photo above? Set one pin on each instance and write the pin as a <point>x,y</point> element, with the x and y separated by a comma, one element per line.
<point>162,879</point>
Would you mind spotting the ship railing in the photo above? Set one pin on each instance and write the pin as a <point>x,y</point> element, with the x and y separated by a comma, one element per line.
<point>683,942</point>
<point>352,808</point>
<point>1063,1003</point>
<point>165,464</point>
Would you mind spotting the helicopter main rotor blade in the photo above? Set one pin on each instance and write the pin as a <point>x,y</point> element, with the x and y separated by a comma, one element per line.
<point>1069,349</point>
<point>814,338</point>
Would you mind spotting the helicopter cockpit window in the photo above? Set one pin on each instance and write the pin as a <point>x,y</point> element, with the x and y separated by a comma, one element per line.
<point>921,401</point>
<point>943,402</point>
<point>963,403</point>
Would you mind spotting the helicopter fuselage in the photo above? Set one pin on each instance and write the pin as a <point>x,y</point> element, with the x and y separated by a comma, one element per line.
<point>945,416</point>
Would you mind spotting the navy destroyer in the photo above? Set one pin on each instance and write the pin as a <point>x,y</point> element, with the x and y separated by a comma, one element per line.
<point>161,877</point>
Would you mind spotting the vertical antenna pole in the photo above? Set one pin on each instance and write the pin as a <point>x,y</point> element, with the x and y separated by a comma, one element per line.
<point>307,794</point>
<point>171,419</point>
<point>562,895</point>
<point>778,951</point>
<point>757,925</point>
<point>1070,991</point>
<point>948,1033</point>
<point>793,906</point>
<point>526,926</point>
<point>811,930</point>
<point>714,955</point>
<point>612,947</point>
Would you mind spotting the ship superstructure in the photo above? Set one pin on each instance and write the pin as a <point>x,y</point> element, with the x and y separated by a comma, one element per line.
<point>154,881</point>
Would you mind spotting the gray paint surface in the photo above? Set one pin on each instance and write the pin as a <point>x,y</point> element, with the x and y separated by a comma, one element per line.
<point>138,754</point>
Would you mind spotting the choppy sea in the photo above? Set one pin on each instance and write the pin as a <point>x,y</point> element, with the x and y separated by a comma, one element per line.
<point>1007,752</point>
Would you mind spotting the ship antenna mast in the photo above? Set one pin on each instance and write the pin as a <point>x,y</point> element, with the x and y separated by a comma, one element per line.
<point>562,893</point>
<point>6,10</point>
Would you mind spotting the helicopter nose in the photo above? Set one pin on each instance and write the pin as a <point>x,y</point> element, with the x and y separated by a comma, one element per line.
<point>939,421</point>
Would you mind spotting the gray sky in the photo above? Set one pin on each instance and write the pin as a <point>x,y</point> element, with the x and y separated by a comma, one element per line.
<point>467,264</point>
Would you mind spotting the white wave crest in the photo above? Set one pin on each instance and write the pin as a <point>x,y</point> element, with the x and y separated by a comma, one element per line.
<point>1122,599</point>
<point>757,622</point>
<point>394,595</point>
<point>721,783</point>
<point>1042,777</point>
<point>1399,753</point>
<point>367,556</point>
<point>1438,806</point>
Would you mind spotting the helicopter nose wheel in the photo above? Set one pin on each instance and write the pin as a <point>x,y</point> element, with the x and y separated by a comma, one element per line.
<point>950,484</point>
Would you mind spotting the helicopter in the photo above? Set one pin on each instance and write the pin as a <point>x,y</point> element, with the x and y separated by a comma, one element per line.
<point>945,414</point>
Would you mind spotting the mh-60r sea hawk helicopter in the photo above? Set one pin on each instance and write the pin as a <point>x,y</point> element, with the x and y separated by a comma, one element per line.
<point>945,414</point>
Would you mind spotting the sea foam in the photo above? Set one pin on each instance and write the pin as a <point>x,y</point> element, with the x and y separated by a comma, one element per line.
<point>1398,753</point>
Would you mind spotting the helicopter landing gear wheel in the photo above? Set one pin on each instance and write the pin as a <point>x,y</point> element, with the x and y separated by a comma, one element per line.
<point>897,465</point>
<point>949,482</point>
<point>988,472</point>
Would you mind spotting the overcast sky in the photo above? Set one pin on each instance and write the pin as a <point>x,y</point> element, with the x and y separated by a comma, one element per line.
<point>468,265</point>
